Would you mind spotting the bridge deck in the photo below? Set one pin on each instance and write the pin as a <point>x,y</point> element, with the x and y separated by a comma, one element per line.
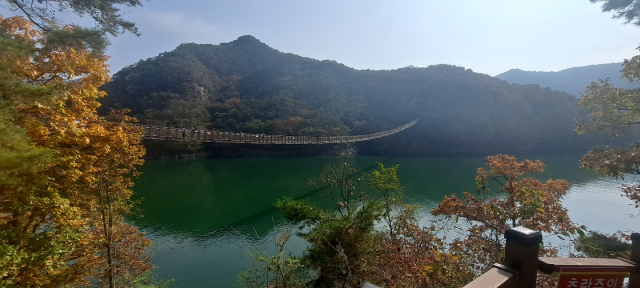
<point>183,134</point>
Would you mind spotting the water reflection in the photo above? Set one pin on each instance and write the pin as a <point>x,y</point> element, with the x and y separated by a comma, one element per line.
<point>203,215</point>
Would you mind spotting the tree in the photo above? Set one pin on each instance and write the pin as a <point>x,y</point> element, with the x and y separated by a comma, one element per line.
<point>599,245</point>
<point>616,111</point>
<point>279,270</point>
<point>520,201</point>
<point>629,10</point>
<point>32,244</point>
<point>387,183</point>
<point>416,256</point>
<point>612,109</point>
<point>346,248</point>
<point>105,12</point>
<point>340,241</point>
<point>62,205</point>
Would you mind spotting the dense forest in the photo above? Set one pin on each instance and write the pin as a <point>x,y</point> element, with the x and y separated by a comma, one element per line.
<point>246,86</point>
<point>571,80</point>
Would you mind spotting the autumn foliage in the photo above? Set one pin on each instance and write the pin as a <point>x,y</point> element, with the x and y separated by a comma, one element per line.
<point>519,201</point>
<point>61,212</point>
<point>416,256</point>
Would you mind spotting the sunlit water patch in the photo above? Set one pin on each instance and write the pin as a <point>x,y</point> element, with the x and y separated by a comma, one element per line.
<point>598,204</point>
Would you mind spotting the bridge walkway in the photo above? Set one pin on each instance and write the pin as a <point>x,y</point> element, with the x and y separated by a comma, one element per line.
<point>184,134</point>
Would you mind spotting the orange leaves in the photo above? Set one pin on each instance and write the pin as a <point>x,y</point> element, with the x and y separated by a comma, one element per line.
<point>525,202</point>
<point>235,101</point>
<point>19,27</point>
<point>416,257</point>
<point>507,167</point>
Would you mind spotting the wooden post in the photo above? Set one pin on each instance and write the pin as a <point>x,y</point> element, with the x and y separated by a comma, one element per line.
<point>521,254</point>
<point>634,277</point>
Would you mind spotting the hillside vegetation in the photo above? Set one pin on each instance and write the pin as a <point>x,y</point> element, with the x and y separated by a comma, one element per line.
<point>246,86</point>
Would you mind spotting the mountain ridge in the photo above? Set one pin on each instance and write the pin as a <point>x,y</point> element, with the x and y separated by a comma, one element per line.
<point>572,80</point>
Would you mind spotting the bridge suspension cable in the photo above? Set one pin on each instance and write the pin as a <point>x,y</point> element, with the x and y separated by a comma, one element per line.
<point>184,134</point>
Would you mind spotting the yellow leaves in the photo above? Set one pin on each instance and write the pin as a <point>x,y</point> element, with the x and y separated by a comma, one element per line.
<point>90,154</point>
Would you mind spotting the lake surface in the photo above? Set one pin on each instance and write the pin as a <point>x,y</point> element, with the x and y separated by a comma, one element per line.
<point>204,215</point>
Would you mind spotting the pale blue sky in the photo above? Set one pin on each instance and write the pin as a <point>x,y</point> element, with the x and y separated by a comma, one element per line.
<point>489,36</point>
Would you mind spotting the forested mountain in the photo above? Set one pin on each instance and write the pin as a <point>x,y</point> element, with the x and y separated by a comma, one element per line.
<point>572,80</point>
<point>247,86</point>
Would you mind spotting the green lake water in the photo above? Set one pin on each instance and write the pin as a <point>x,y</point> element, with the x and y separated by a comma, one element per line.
<point>204,215</point>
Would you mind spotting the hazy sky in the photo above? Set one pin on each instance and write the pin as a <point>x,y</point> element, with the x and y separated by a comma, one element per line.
<point>489,36</point>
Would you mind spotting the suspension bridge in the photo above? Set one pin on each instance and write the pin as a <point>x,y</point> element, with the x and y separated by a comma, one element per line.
<point>184,134</point>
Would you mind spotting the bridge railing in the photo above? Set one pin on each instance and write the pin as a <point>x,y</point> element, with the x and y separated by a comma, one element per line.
<point>184,134</point>
<point>522,263</point>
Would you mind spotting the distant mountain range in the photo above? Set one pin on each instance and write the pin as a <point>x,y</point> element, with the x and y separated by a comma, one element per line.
<point>572,80</point>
